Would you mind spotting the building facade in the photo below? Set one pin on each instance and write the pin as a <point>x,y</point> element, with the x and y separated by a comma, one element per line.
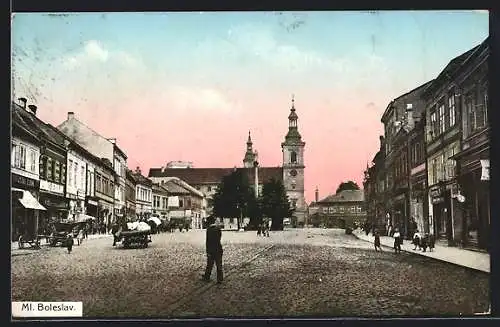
<point>143,195</point>
<point>130,206</point>
<point>344,209</point>
<point>105,192</point>
<point>400,119</point>
<point>443,141</point>
<point>25,175</point>
<point>160,201</point>
<point>100,147</point>
<point>472,226</point>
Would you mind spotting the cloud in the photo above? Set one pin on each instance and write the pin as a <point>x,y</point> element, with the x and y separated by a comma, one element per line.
<point>200,99</point>
<point>94,51</point>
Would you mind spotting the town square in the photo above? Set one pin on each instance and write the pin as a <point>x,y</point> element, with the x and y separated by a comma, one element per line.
<point>250,165</point>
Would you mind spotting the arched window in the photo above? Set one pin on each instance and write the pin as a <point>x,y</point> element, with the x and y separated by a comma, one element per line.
<point>293,157</point>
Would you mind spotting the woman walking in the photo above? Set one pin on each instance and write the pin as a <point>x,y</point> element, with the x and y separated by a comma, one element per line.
<point>377,242</point>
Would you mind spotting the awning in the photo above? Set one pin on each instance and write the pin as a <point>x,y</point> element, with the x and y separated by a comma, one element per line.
<point>29,201</point>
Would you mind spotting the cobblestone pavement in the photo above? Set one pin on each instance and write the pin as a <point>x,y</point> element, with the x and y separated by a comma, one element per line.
<point>295,272</point>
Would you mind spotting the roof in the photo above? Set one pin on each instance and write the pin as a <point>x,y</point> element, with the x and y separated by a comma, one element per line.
<point>140,179</point>
<point>453,66</point>
<point>195,176</point>
<point>174,188</point>
<point>345,196</point>
<point>157,189</point>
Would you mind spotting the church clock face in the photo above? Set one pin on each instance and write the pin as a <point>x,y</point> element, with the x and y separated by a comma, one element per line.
<point>293,173</point>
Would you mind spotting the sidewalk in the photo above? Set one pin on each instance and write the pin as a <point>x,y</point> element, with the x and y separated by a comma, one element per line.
<point>465,258</point>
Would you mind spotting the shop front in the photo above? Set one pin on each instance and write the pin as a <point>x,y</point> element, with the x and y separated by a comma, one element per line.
<point>400,215</point>
<point>25,206</point>
<point>52,198</point>
<point>441,212</point>
<point>104,215</point>
<point>418,210</point>
<point>475,189</point>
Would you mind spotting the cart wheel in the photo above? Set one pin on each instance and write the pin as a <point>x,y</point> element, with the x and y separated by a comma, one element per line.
<point>20,243</point>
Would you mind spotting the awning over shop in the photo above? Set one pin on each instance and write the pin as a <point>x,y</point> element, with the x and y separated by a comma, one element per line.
<point>29,201</point>
<point>83,218</point>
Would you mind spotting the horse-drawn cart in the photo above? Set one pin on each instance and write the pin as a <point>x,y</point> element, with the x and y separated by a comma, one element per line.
<point>61,231</point>
<point>140,238</point>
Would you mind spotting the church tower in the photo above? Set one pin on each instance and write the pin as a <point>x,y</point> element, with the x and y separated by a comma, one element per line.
<point>250,155</point>
<point>293,165</point>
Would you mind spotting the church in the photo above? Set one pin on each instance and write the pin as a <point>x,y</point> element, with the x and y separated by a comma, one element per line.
<point>291,173</point>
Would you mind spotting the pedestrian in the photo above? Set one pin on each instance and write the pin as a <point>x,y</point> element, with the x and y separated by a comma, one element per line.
<point>390,230</point>
<point>259,229</point>
<point>432,242</point>
<point>80,237</point>
<point>69,242</point>
<point>423,242</point>
<point>377,241</point>
<point>114,231</point>
<point>417,238</point>
<point>214,250</point>
<point>268,226</point>
<point>397,241</point>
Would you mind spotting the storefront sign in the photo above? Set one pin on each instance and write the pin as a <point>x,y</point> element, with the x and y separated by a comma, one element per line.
<point>436,192</point>
<point>24,182</point>
<point>485,170</point>
<point>53,204</point>
<point>92,202</point>
<point>51,187</point>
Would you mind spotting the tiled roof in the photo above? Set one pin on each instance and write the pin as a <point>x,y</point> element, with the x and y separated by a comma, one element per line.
<point>157,189</point>
<point>141,179</point>
<point>195,176</point>
<point>173,188</point>
<point>345,196</point>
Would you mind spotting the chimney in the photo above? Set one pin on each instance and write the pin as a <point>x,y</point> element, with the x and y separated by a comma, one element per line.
<point>138,170</point>
<point>71,115</point>
<point>316,195</point>
<point>33,109</point>
<point>112,140</point>
<point>22,102</point>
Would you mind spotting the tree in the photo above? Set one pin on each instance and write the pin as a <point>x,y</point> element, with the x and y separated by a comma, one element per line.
<point>349,185</point>
<point>274,203</point>
<point>234,197</point>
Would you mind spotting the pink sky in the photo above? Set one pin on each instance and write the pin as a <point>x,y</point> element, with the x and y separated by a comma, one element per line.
<point>189,86</point>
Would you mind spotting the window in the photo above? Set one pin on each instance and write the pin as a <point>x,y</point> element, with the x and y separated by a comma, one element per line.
<point>49,169</point>
<point>293,157</point>
<point>451,110</point>
<point>164,199</point>
<point>330,209</point>
<point>75,174</point>
<point>341,209</point>
<point>57,171</point>
<point>20,157</point>
<point>353,210</point>
<point>442,126</point>
<point>32,161</point>
<point>70,172</point>
<point>42,165</point>
<point>433,127</point>
<point>475,105</point>
<point>181,203</point>
<point>358,209</point>
<point>82,176</point>
<point>98,185</point>
<point>63,173</point>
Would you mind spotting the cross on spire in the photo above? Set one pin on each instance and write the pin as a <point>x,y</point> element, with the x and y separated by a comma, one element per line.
<point>293,101</point>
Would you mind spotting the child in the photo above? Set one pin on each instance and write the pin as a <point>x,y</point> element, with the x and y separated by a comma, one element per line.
<point>423,242</point>
<point>431,242</point>
<point>397,241</point>
<point>377,241</point>
<point>417,240</point>
<point>69,243</point>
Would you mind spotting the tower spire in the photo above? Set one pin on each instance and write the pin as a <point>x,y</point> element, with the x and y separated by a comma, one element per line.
<point>249,138</point>
<point>293,101</point>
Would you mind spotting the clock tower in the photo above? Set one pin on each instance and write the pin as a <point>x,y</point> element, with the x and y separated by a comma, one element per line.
<point>293,165</point>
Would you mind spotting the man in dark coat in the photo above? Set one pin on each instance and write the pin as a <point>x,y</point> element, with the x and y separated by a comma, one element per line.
<point>214,250</point>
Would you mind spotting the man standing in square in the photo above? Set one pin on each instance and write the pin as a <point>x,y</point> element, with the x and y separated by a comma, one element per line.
<point>214,250</point>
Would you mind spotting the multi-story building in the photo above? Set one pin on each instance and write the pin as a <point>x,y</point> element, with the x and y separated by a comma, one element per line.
<point>52,167</point>
<point>160,201</point>
<point>399,120</point>
<point>344,209</point>
<point>105,193</point>
<point>184,201</point>
<point>130,207</point>
<point>143,195</point>
<point>25,174</point>
<point>100,147</point>
<point>443,141</point>
<point>471,221</point>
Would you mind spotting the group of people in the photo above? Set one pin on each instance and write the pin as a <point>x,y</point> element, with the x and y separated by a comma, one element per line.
<point>418,240</point>
<point>263,228</point>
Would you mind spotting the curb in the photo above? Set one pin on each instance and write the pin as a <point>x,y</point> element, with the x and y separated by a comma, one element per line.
<point>417,253</point>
